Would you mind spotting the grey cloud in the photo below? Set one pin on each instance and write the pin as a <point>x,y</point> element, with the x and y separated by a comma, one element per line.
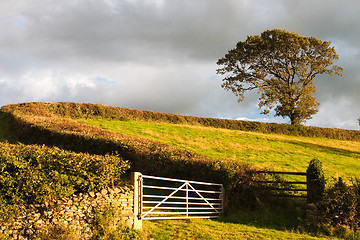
<point>328,19</point>
<point>162,56</point>
<point>136,31</point>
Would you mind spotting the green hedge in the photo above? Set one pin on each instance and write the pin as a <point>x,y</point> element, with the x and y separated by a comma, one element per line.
<point>37,174</point>
<point>340,208</point>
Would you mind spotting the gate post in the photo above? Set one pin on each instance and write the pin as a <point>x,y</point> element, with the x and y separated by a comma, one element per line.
<point>224,200</point>
<point>137,181</point>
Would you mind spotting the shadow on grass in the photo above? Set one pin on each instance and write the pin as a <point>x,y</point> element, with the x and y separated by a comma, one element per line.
<point>277,217</point>
<point>326,149</point>
<point>3,128</point>
<point>277,220</point>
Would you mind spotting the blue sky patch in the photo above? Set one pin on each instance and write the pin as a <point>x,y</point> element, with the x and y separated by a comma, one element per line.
<point>104,80</point>
<point>20,22</point>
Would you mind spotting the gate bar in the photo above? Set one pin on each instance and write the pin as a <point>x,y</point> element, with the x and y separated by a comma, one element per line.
<point>181,180</point>
<point>184,207</point>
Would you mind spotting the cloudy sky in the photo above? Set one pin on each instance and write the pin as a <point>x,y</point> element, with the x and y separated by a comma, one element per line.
<point>161,55</point>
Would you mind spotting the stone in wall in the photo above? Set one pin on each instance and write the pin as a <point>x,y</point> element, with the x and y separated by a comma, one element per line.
<point>74,213</point>
<point>312,214</point>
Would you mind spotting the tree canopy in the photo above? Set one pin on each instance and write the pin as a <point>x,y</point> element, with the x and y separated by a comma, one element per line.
<point>281,65</point>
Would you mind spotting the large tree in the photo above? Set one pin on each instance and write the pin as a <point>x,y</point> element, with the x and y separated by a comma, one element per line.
<point>281,65</point>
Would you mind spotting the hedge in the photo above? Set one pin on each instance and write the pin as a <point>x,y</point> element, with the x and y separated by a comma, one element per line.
<point>37,174</point>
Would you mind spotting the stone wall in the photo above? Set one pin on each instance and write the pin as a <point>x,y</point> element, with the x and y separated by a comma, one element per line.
<point>74,213</point>
<point>312,214</point>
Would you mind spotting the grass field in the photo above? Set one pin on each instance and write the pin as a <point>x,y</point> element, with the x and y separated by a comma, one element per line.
<point>214,229</point>
<point>272,151</point>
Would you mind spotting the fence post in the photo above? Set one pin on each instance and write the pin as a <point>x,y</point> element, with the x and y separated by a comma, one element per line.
<point>137,181</point>
<point>315,181</point>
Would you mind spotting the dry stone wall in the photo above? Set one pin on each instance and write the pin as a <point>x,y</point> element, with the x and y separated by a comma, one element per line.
<point>312,214</point>
<point>74,213</point>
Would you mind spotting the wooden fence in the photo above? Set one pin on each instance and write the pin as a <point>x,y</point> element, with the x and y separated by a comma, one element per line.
<point>282,187</point>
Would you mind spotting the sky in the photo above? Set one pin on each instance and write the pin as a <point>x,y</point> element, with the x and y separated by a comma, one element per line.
<point>160,55</point>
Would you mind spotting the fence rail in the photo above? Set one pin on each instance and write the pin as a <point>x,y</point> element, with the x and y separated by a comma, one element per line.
<point>289,188</point>
<point>168,198</point>
<point>283,173</point>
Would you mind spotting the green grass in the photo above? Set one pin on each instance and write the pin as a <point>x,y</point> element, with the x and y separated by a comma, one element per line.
<point>261,223</point>
<point>212,229</point>
<point>272,151</point>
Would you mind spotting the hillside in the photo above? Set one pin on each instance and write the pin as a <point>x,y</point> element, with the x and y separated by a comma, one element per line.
<point>272,146</point>
<point>205,149</point>
<point>264,150</point>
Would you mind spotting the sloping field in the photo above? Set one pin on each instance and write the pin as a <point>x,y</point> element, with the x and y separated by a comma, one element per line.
<point>271,151</point>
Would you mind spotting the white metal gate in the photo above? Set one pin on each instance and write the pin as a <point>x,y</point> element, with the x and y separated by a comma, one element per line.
<point>167,198</point>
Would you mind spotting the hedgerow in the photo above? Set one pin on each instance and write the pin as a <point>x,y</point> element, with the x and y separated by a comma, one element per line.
<point>340,209</point>
<point>36,174</point>
<point>87,110</point>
